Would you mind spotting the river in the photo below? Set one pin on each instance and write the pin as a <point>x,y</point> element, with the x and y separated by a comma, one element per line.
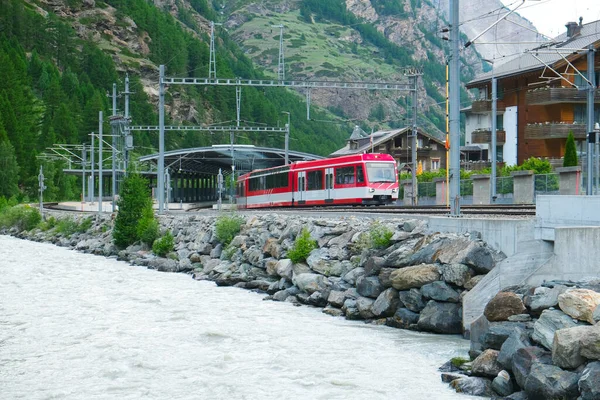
<point>77,326</point>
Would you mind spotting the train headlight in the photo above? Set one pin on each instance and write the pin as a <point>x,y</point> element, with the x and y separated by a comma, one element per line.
<point>371,190</point>
<point>394,190</point>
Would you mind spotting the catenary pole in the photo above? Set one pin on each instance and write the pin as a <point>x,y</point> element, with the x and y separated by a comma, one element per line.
<point>161,140</point>
<point>591,136</point>
<point>454,110</point>
<point>494,144</point>
<point>100,122</point>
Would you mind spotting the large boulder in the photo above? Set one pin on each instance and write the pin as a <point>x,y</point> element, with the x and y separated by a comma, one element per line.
<point>457,274</point>
<point>441,317</point>
<point>414,277</point>
<point>579,303</point>
<point>336,298</point>
<point>386,303</point>
<point>548,382</point>
<point>566,347</point>
<point>498,332</point>
<point>301,268</point>
<point>473,386</point>
<point>369,286</point>
<point>320,261</point>
<point>284,268</point>
<point>486,364</point>
<point>518,339</point>
<point>272,247</point>
<point>310,283</point>
<point>412,299</point>
<point>549,322</point>
<point>590,343</point>
<point>523,360</point>
<point>471,283</point>
<point>403,318</point>
<point>544,298</point>
<point>502,384</point>
<point>373,265</point>
<point>589,382</point>
<point>364,306</point>
<point>384,276</point>
<point>596,314</point>
<point>352,276</point>
<point>502,306</point>
<point>440,291</point>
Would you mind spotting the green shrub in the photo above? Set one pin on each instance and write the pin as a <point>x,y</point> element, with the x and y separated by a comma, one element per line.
<point>227,227</point>
<point>48,224</point>
<point>24,218</point>
<point>135,197</point>
<point>302,247</point>
<point>67,226</point>
<point>380,235</point>
<point>85,225</point>
<point>163,245</point>
<point>228,252</point>
<point>147,228</point>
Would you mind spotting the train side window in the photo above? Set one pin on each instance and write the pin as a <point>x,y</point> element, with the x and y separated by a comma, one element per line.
<point>360,176</point>
<point>344,175</point>
<point>315,180</point>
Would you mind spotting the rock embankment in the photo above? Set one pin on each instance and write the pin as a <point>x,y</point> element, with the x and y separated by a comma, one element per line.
<point>535,343</point>
<point>414,281</point>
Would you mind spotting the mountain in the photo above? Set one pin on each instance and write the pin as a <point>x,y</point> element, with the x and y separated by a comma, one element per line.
<point>58,58</point>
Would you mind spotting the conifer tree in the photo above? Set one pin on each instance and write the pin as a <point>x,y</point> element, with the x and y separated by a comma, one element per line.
<point>570,159</point>
<point>9,169</point>
<point>134,198</point>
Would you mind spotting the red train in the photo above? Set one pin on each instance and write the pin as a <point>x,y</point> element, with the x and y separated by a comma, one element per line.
<point>354,179</point>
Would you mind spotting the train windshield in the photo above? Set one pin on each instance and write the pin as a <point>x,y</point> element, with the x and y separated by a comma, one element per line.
<point>380,172</point>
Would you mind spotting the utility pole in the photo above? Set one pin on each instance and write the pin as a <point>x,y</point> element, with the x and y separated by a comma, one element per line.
<point>168,184</point>
<point>91,184</point>
<point>590,120</point>
<point>220,189</point>
<point>287,138</point>
<point>238,103</point>
<point>100,119</point>
<point>454,110</point>
<point>494,138</point>
<point>83,162</point>
<point>161,136</point>
<point>212,64</point>
<point>114,148</point>
<point>41,180</point>
<point>128,137</point>
<point>414,199</point>
<point>281,63</point>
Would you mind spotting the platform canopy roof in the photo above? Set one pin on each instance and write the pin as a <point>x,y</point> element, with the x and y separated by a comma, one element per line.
<point>208,160</point>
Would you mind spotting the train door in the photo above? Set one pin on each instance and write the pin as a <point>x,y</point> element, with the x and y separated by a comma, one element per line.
<point>302,187</point>
<point>328,185</point>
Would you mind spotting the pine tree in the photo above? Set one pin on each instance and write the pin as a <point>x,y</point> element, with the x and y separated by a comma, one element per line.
<point>570,159</point>
<point>9,170</point>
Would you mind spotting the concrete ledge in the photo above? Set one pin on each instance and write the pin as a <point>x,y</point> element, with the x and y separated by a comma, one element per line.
<point>562,170</point>
<point>522,173</point>
<point>481,176</point>
<point>565,211</point>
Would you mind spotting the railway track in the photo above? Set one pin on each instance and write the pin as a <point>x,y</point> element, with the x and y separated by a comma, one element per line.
<point>498,210</point>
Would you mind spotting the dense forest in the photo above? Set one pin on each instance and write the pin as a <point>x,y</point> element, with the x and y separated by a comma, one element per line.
<point>55,82</point>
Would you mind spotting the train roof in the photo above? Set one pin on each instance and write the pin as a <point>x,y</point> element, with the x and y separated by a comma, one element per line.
<point>327,161</point>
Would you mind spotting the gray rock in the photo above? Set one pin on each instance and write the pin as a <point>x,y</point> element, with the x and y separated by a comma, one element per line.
<point>596,314</point>
<point>412,299</point>
<point>364,305</point>
<point>300,268</point>
<point>350,309</point>
<point>471,283</point>
<point>318,299</point>
<point>342,240</point>
<point>476,334</point>
<point>271,267</point>
<point>544,298</point>
<point>254,256</point>
<point>206,248</point>
<point>272,248</point>
<point>311,283</point>
<point>373,265</point>
<point>282,295</point>
<point>590,343</point>
<point>386,303</point>
<point>414,277</point>
<point>520,318</point>
<point>369,286</point>
<point>448,377</point>
<point>334,312</point>
<point>441,317</point>
<point>524,358</point>
<point>440,291</point>
<point>473,386</point>
<point>336,298</point>
<point>579,303</point>
<point>547,382</point>
<point>502,384</point>
<point>486,364</point>
<point>566,347</point>
<point>480,258</point>
<point>498,332</point>
<point>518,339</point>
<point>320,261</point>
<point>285,269</point>
<point>589,382</point>
<point>549,322</point>
<point>352,276</point>
<point>410,225</point>
<point>457,274</point>
<point>517,396</point>
<point>384,276</point>
<point>403,319</point>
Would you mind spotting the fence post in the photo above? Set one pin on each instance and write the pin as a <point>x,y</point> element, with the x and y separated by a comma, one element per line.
<point>523,187</point>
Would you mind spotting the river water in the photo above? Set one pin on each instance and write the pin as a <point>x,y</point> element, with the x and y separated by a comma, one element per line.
<point>77,326</point>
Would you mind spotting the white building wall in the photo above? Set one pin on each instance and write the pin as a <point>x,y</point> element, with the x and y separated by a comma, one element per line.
<point>510,127</point>
<point>473,122</point>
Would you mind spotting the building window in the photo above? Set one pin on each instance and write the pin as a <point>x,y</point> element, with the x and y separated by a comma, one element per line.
<point>360,176</point>
<point>500,122</point>
<point>419,143</point>
<point>435,164</point>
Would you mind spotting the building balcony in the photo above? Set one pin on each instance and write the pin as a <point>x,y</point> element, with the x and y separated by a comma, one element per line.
<point>485,106</point>
<point>553,130</point>
<point>484,136</point>
<point>556,95</point>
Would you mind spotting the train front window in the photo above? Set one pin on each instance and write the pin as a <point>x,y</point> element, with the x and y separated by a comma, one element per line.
<point>380,172</point>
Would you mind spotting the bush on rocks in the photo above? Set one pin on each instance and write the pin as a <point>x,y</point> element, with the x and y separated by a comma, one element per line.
<point>227,227</point>
<point>134,198</point>
<point>303,245</point>
<point>164,245</point>
<point>24,218</point>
